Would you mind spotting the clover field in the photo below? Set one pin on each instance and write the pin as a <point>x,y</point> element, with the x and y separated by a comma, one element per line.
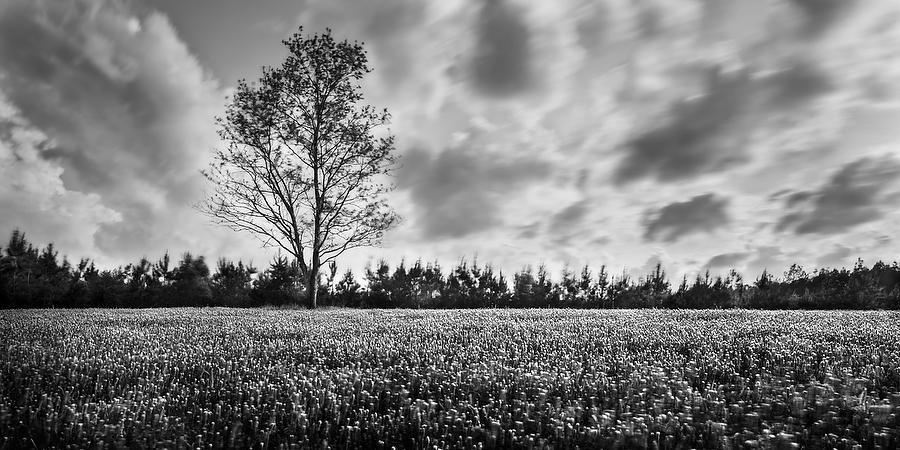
<point>274,378</point>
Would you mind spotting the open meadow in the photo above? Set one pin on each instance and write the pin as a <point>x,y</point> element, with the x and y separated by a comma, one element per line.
<point>212,378</point>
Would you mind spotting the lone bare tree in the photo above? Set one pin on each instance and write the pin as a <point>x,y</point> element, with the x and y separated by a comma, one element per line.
<point>304,165</point>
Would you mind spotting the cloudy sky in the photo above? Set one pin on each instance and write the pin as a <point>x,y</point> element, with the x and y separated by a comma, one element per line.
<point>700,133</point>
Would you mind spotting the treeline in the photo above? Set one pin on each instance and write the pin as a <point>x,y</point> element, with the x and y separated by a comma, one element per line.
<point>32,277</point>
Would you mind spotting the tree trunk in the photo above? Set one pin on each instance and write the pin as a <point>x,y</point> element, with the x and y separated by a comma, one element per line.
<point>312,287</point>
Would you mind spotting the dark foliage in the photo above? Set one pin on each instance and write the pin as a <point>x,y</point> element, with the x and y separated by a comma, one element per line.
<point>231,283</point>
<point>31,277</point>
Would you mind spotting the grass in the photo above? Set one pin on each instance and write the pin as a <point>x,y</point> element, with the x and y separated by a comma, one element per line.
<point>272,378</point>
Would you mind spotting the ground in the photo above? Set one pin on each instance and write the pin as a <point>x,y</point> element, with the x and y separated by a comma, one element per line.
<point>448,379</point>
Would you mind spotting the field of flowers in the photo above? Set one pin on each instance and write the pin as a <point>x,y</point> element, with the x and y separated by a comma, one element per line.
<point>213,378</point>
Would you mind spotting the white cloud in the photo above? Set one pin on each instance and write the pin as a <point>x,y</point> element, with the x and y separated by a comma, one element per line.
<point>33,197</point>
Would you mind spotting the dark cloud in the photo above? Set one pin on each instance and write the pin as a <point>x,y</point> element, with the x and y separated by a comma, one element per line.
<point>591,26</point>
<point>797,84</point>
<point>650,20</point>
<point>711,133</point>
<point>529,231</point>
<point>855,194</point>
<point>692,142</point>
<point>83,172</point>
<point>726,260</point>
<point>741,22</point>
<point>564,227</point>
<point>581,180</point>
<point>569,217</point>
<point>797,198</point>
<point>703,213</point>
<point>461,190</point>
<point>819,15</point>
<point>391,17</point>
<point>501,65</point>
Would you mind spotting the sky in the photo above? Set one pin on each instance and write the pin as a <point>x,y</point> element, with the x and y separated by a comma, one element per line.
<point>701,134</point>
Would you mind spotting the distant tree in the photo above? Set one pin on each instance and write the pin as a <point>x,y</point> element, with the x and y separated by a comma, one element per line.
<point>738,289</point>
<point>430,285</point>
<point>765,294</point>
<point>50,278</point>
<point>380,286</point>
<point>142,286</point>
<point>231,283</point>
<point>278,284</point>
<point>601,287</point>
<point>543,289</point>
<point>161,271</point>
<point>190,282</point>
<point>568,288</point>
<point>795,273</point>
<point>80,284</point>
<point>302,166</point>
<point>705,293</point>
<point>679,297</point>
<point>401,286</point>
<point>523,288</point>
<point>413,287</point>
<point>17,271</point>
<point>6,270</point>
<point>587,292</point>
<point>478,287</point>
<point>620,292</point>
<point>32,277</point>
<point>460,287</point>
<point>655,287</point>
<point>347,292</point>
<point>888,276</point>
<point>467,277</point>
<point>417,286</point>
<point>765,281</point>
<point>107,288</point>
<point>492,288</point>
